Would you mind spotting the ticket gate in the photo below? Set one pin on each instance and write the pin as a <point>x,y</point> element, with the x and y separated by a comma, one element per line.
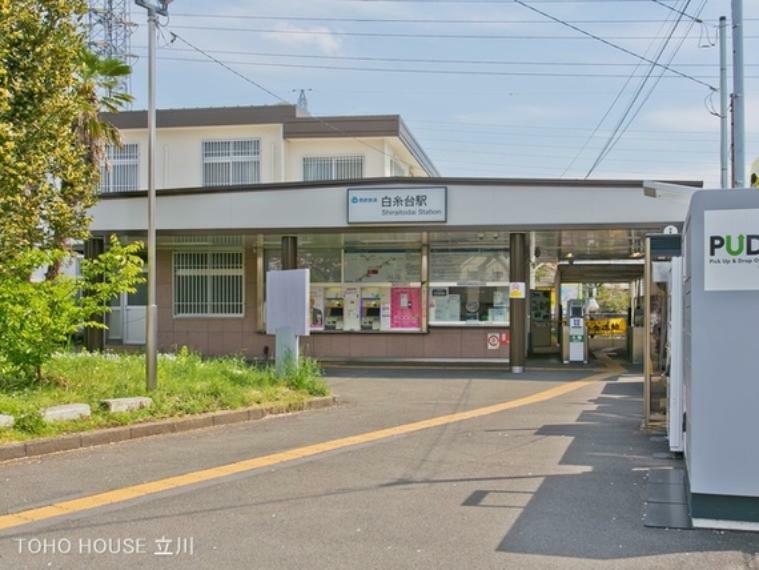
<point>574,344</point>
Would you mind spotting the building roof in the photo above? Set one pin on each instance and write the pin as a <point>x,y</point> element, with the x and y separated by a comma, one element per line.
<point>294,126</point>
<point>402,181</point>
<point>204,116</point>
<point>472,204</point>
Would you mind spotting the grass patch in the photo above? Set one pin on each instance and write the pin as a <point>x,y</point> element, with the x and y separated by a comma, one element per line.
<point>187,384</point>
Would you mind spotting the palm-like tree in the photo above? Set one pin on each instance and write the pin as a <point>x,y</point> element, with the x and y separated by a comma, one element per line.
<point>98,91</point>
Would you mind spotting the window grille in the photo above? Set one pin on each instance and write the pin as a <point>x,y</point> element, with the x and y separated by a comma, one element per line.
<point>200,241</point>
<point>209,284</point>
<point>333,167</point>
<point>231,162</point>
<point>120,171</point>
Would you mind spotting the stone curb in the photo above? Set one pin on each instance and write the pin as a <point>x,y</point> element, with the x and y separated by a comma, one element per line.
<point>68,442</point>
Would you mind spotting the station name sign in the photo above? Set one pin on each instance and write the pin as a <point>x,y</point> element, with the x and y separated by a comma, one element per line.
<point>397,205</point>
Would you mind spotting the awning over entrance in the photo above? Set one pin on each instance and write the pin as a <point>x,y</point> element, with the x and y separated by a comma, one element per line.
<point>505,204</point>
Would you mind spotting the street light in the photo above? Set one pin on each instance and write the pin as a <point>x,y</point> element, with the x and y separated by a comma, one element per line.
<point>161,7</point>
<point>151,333</point>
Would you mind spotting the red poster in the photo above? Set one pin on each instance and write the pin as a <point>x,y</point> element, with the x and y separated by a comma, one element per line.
<point>405,308</point>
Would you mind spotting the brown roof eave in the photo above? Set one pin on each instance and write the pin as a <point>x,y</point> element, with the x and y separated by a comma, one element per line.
<point>203,117</point>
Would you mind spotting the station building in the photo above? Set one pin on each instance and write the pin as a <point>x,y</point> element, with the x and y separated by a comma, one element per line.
<point>404,264</point>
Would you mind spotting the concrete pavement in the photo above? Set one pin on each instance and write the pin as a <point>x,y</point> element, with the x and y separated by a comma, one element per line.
<point>557,483</point>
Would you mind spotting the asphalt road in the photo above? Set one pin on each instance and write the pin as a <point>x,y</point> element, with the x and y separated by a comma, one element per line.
<point>552,484</point>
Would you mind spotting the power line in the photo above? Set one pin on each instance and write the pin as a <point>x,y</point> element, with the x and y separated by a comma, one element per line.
<point>608,112</point>
<point>551,128</point>
<point>499,129</point>
<point>648,95</point>
<point>404,90</point>
<point>614,137</point>
<point>636,94</point>
<point>650,92</point>
<point>676,11</point>
<point>225,66</point>
<point>418,35</point>
<point>681,162</point>
<point>444,21</point>
<point>500,1</point>
<point>423,71</point>
<point>431,60</point>
<point>520,145</point>
<point>689,140</point>
<point>281,99</point>
<point>611,44</point>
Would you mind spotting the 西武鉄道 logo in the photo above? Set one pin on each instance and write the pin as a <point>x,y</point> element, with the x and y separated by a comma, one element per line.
<point>734,245</point>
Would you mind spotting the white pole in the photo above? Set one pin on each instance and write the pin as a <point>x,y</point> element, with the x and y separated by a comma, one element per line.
<point>151,333</point>
<point>739,100</point>
<point>723,98</point>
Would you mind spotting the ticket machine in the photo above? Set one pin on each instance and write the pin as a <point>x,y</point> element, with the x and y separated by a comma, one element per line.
<point>575,334</point>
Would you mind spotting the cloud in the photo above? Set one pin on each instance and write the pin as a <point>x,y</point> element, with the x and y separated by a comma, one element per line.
<point>319,37</point>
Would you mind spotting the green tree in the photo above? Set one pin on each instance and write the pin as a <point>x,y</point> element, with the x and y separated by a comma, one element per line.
<point>39,318</point>
<point>97,90</point>
<point>52,142</point>
<point>51,137</point>
<point>613,298</point>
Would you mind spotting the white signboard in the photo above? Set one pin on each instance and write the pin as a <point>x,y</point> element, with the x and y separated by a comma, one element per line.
<point>287,302</point>
<point>731,250</point>
<point>397,205</point>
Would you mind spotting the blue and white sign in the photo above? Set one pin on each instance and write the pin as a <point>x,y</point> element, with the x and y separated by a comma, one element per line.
<point>397,205</point>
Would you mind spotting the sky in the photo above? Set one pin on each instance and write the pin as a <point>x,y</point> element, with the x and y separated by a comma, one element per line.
<point>495,88</point>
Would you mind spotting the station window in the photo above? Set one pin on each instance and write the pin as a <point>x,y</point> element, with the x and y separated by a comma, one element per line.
<point>361,289</point>
<point>469,286</point>
<point>325,264</point>
<point>333,167</point>
<point>209,284</point>
<point>231,162</point>
<point>120,171</point>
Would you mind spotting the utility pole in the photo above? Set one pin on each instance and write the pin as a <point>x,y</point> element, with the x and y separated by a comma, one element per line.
<point>739,99</point>
<point>723,96</point>
<point>151,320</point>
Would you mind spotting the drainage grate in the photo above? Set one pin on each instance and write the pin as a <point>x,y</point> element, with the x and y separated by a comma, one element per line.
<point>666,500</point>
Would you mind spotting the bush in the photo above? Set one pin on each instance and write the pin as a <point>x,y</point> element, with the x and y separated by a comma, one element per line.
<point>187,384</point>
<point>39,318</point>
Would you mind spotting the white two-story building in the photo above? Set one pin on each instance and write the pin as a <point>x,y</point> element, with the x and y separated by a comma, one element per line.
<point>233,146</point>
<point>404,264</point>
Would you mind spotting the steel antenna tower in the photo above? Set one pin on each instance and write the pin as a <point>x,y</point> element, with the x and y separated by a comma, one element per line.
<point>110,29</point>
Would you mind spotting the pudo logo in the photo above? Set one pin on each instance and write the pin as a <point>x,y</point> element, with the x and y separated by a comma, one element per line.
<point>743,244</point>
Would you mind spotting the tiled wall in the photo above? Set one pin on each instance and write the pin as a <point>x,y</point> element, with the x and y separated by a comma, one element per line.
<point>239,336</point>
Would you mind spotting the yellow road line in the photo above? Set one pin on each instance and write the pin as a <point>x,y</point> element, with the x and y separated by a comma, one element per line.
<point>135,491</point>
<point>478,367</point>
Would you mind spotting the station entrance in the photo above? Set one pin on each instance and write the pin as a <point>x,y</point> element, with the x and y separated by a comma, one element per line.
<point>486,274</point>
<point>595,276</point>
